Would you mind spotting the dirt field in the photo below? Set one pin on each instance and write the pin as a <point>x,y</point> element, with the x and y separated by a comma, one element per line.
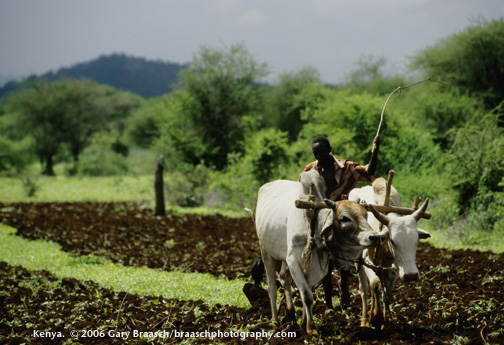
<point>458,300</point>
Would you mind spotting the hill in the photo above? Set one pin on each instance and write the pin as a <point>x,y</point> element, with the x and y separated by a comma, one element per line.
<point>137,75</point>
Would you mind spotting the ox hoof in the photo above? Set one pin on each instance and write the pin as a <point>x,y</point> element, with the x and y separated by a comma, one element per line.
<point>365,324</point>
<point>328,312</point>
<point>257,296</point>
<point>345,302</point>
<point>290,316</point>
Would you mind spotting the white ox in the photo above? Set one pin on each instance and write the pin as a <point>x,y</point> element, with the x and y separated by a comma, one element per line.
<point>392,259</point>
<point>284,231</point>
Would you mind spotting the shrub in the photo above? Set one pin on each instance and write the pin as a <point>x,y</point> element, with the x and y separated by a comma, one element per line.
<point>266,158</point>
<point>99,159</point>
<point>186,186</point>
<point>14,156</point>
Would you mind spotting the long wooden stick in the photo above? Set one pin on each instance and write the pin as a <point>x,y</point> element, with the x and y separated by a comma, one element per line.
<point>399,88</point>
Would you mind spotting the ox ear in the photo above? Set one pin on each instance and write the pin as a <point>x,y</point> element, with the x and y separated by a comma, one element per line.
<point>423,234</point>
<point>331,204</point>
<point>328,227</point>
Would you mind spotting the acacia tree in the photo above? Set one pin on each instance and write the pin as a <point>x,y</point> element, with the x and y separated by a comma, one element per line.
<point>63,112</point>
<point>218,88</point>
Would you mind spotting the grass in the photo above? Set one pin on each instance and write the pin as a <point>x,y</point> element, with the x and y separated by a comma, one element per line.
<point>455,234</point>
<point>476,240</point>
<point>61,188</point>
<point>460,233</point>
<point>95,189</point>
<point>40,255</point>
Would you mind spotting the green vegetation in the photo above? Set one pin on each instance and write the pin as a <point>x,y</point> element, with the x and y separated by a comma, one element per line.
<point>62,116</point>
<point>123,72</point>
<point>471,60</point>
<point>39,255</point>
<point>63,188</point>
<point>223,132</point>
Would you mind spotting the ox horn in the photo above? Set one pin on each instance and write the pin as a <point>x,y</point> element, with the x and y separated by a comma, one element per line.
<point>380,216</point>
<point>418,214</point>
<point>331,204</point>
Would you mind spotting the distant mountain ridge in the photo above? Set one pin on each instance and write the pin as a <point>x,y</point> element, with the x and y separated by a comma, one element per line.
<point>126,73</point>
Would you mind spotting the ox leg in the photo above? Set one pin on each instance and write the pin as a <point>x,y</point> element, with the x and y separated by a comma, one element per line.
<point>290,314</point>
<point>328,287</point>
<point>306,294</point>
<point>388,288</point>
<point>345,292</point>
<point>269,266</point>
<point>376,313</point>
<point>364,293</point>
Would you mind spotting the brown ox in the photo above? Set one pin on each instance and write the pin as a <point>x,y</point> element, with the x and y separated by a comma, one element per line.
<point>284,231</point>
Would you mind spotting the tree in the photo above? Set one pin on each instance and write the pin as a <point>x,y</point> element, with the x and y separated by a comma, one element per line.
<point>142,126</point>
<point>285,106</point>
<point>471,60</point>
<point>370,75</point>
<point>475,159</point>
<point>266,157</point>
<point>368,70</point>
<point>65,112</point>
<point>223,86</point>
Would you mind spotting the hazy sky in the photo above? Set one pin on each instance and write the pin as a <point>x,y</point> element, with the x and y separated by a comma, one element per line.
<point>37,36</point>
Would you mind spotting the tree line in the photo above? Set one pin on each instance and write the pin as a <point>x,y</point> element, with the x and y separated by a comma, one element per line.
<point>223,131</point>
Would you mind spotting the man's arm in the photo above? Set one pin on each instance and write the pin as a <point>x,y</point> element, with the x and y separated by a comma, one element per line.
<point>373,162</point>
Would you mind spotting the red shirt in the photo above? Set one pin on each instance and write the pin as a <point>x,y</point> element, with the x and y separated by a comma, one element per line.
<point>346,174</point>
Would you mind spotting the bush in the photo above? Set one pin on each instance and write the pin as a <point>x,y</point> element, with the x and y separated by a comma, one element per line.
<point>475,159</point>
<point>99,159</point>
<point>186,186</point>
<point>350,122</point>
<point>142,125</point>
<point>438,110</point>
<point>266,158</point>
<point>14,156</point>
<point>471,60</point>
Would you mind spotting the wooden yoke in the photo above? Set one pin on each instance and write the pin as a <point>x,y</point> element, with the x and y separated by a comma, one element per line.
<point>309,202</point>
<point>380,208</point>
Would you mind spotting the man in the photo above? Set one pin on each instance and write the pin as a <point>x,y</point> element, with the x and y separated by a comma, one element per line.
<point>340,177</point>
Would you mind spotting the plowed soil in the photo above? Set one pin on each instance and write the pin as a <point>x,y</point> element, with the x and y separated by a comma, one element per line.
<point>458,299</point>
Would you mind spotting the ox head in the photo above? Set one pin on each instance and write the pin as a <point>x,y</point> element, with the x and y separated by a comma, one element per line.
<point>404,234</point>
<point>346,231</point>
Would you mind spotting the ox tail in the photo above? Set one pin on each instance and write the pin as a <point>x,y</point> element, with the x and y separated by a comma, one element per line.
<point>257,271</point>
<point>249,211</point>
